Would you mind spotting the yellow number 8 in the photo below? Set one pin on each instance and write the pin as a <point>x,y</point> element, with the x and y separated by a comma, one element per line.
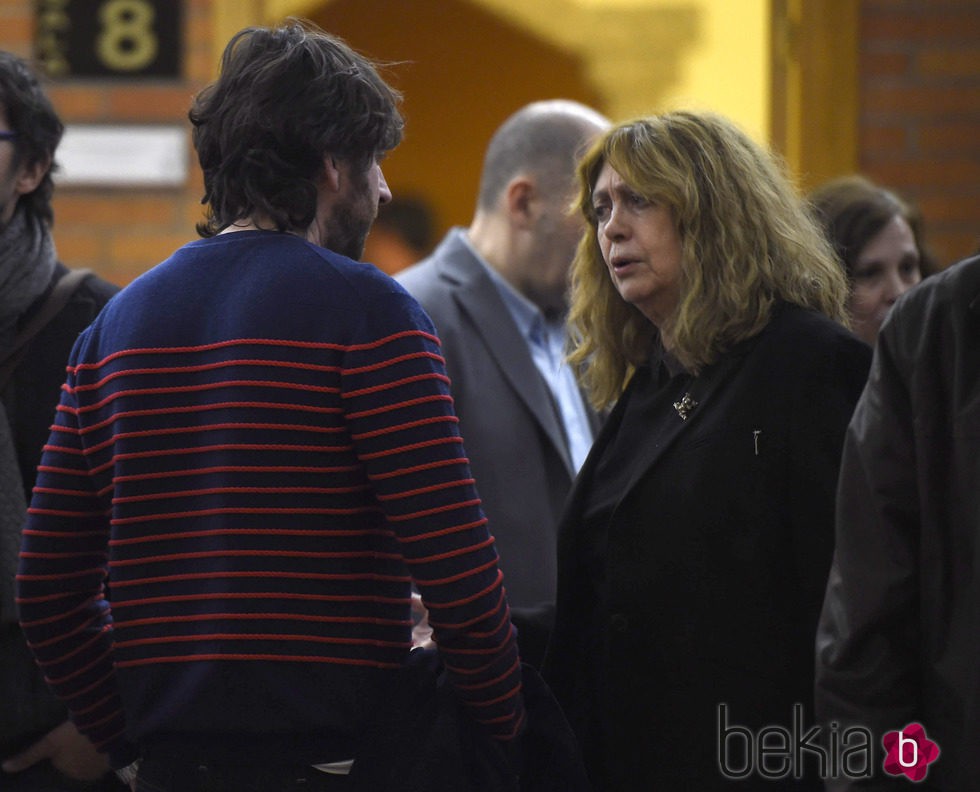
<point>127,41</point>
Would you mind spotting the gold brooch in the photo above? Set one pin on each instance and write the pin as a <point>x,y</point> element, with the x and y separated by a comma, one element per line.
<point>684,406</point>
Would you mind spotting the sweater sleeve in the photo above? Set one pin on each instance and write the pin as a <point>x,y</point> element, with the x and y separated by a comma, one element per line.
<point>62,600</point>
<point>400,416</point>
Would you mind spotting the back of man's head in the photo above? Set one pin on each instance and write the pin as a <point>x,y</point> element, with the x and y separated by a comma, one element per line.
<point>542,138</point>
<point>30,115</point>
<point>286,98</point>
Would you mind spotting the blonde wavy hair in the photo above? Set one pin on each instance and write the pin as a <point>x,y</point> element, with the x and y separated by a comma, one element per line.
<point>747,241</point>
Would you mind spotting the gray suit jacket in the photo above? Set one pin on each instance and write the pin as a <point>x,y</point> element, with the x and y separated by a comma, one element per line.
<point>510,424</point>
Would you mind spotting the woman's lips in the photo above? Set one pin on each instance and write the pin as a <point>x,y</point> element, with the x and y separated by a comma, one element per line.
<point>622,265</point>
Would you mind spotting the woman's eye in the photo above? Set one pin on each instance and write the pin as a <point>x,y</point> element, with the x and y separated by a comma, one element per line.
<point>910,267</point>
<point>867,274</point>
<point>600,212</point>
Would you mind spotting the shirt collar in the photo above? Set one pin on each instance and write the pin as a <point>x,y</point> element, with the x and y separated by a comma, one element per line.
<point>527,316</point>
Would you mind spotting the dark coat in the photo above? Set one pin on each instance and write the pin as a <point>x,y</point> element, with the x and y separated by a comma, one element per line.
<point>899,638</point>
<point>29,399</point>
<point>35,387</point>
<point>707,585</point>
<point>29,707</point>
<point>510,426</point>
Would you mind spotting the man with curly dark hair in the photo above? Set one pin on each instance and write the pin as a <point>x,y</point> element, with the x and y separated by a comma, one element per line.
<point>255,460</point>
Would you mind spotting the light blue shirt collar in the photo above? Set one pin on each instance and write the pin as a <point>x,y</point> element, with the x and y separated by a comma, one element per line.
<point>546,343</point>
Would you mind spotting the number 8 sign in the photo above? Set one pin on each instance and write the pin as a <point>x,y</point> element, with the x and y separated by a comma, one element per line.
<point>109,38</point>
<point>128,41</point>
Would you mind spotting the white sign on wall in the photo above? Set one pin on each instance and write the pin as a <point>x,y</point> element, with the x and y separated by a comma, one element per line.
<point>122,156</point>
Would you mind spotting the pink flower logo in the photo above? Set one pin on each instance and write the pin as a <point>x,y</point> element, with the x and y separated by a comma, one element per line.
<point>910,752</point>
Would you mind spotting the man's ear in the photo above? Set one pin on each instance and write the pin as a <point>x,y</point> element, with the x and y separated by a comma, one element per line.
<point>30,176</point>
<point>331,172</point>
<point>521,198</point>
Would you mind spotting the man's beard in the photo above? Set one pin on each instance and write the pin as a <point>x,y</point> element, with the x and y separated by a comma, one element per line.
<point>351,220</point>
<point>349,227</point>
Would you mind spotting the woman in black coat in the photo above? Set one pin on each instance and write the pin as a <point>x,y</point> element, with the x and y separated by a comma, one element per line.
<point>694,550</point>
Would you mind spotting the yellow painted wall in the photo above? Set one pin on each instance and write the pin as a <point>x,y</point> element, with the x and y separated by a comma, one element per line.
<point>727,68</point>
<point>469,63</point>
<point>643,55</point>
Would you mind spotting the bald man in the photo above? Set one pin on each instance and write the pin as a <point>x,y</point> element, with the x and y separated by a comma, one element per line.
<point>497,293</point>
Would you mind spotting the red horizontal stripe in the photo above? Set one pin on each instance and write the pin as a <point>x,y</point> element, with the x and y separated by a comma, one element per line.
<point>204,471</point>
<point>402,427</point>
<point>78,628</point>
<point>76,672</point>
<point>395,384</point>
<point>68,492</point>
<point>255,342</point>
<point>393,361</point>
<point>500,608</point>
<point>202,428</point>
<point>265,573</point>
<point>466,600</point>
<point>454,553</point>
<point>62,450</point>
<point>303,617</point>
<point>61,614</point>
<point>255,657</point>
<point>202,408</point>
<point>420,468</point>
<point>460,576</point>
<point>277,447</point>
<point>62,575</point>
<point>62,471</point>
<point>424,490</point>
<point>497,680</point>
<point>248,490</point>
<point>391,407</point>
<point>142,518</point>
<point>271,532</point>
<point>257,553</point>
<point>410,447</point>
<point>62,513</point>
<point>263,596</point>
<point>443,531</point>
<point>68,554</point>
<point>69,534</point>
<point>435,510</point>
<point>114,715</point>
<point>102,745</point>
<point>107,700</point>
<point>202,388</point>
<point>277,637</point>
<point>80,649</point>
<point>214,366</point>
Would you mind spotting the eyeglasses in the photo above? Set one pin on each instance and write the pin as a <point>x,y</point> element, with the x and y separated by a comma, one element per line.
<point>8,135</point>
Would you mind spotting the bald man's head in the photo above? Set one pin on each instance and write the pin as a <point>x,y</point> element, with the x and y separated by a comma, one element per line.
<point>543,139</point>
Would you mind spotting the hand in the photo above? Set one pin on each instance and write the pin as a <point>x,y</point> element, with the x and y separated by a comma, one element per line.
<point>421,632</point>
<point>70,752</point>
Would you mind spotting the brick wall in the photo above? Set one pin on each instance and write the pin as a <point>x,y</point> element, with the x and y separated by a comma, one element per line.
<point>122,232</point>
<point>920,113</point>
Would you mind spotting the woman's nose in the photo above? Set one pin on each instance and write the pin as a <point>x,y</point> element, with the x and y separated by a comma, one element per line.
<point>615,228</point>
<point>895,287</point>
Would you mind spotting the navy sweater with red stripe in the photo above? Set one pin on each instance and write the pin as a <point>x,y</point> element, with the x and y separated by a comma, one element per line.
<point>254,458</point>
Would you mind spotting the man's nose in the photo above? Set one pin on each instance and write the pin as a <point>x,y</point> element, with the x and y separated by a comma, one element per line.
<point>384,193</point>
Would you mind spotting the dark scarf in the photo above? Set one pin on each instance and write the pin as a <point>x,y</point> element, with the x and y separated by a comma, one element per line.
<point>27,264</point>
